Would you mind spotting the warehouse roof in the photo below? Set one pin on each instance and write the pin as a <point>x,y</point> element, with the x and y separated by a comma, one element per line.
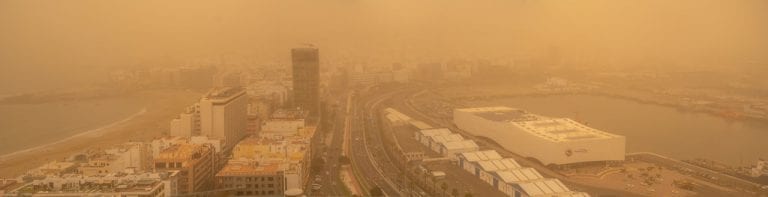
<point>563,130</point>
<point>396,114</point>
<point>433,132</point>
<point>459,145</point>
<point>553,129</point>
<point>453,137</point>
<point>420,125</point>
<point>481,155</point>
<point>544,187</point>
<point>518,175</point>
<point>498,165</point>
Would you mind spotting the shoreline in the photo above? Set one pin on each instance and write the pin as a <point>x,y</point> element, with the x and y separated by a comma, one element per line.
<point>680,107</point>
<point>161,106</point>
<point>78,135</point>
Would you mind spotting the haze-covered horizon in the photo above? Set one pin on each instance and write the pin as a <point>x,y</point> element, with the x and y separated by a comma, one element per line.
<point>55,44</point>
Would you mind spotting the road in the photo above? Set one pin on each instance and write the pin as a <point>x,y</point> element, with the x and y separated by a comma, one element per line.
<point>370,163</point>
<point>407,106</point>
<point>329,147</point>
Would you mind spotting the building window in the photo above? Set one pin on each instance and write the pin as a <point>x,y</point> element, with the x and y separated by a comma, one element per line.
<point>247,185</point>
<point>271,185</point>
<point>271,178</point>
<point>271,192</point>
<point>240,193</point>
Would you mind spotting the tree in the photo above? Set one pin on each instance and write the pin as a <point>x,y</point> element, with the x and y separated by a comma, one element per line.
<point>468,194</point>
<point>455,192</point>
<point>376,191</point>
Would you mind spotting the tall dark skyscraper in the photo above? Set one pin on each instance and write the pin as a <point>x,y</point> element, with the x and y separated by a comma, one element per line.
<point>306,79</point>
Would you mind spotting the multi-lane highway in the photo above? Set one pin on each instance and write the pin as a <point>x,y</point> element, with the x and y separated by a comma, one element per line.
<point>369,161</point>
<point>329,148</point>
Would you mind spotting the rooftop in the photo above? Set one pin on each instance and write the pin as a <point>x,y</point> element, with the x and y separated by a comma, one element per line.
<point>289,114</point>
<point>453,137</point>
<point>225,93</point>
<point>507,115</point>
<point>544,187</point>
<point>102,184</point>
<point>518,175</point>
<point>456,145</point>
<point>433,132</point>
<point>457,177</point>
<point>404,136</point>
<point>498,165</point>
<point>181,151</point>
<point>396,115</point>
<point>249,168</point>
<point>420,125</point>
<point>553,129</point>
<point>563,130</point>
<point>481,155</point>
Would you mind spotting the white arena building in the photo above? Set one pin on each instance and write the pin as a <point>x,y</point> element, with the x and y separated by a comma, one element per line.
<point>549,140</point>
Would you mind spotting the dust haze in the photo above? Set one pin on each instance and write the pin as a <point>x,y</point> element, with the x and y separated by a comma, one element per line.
<point>55,44</point>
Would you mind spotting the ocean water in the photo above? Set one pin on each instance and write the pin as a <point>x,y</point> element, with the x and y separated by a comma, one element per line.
<point>25,126</point>
<point>653,128</point>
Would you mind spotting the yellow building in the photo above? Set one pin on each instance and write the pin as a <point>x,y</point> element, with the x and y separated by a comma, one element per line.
<point>195,163</point>
<point>251,178</point>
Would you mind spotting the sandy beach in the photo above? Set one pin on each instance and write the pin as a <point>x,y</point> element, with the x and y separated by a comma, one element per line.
<point>150,122</point>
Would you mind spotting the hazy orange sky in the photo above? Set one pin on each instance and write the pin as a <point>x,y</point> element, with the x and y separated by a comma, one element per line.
<point>51,38</point>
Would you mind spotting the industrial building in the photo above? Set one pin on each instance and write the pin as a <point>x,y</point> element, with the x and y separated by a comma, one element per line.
<point>451,149</point>
<point>545,187</point>
<point>423,135</point>
<point>468,160</point>
<point>549,140</point>
<point>445,142</point>
<point>507,176</point>
<point>403,132</point>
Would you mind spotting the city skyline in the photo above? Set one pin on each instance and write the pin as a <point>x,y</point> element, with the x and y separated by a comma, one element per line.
<point>432,98</point>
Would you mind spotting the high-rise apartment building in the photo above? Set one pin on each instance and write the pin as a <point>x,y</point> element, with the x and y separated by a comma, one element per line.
<point>306,79</point>
<point>223,115</point>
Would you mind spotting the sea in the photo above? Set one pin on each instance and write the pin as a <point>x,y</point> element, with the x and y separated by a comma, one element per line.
<point>29,126</point>
<point>653,128</point>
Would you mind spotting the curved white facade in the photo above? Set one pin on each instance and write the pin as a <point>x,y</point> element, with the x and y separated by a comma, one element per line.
<point>550,140</point>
